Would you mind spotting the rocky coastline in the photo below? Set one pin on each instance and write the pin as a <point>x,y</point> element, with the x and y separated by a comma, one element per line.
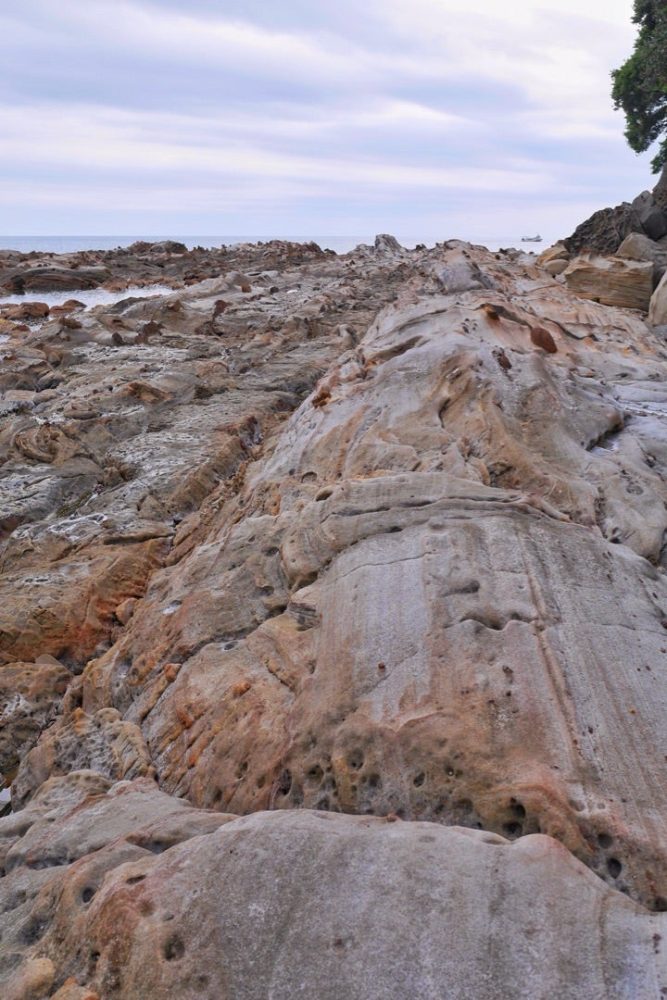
<point>333,621</point>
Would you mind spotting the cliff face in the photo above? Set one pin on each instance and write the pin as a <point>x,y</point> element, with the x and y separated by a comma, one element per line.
<point>334,633</point>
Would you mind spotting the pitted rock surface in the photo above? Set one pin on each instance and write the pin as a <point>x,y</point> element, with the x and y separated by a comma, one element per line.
<point>381,536</point>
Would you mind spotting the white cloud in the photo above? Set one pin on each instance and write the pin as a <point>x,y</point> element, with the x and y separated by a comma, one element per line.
<point>145,106</point>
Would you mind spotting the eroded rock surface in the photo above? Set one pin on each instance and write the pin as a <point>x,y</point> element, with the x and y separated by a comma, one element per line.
<point>147,898</point>
<point>382,535</point>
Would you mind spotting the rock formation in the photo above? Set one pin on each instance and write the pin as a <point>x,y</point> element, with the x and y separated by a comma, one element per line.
<point>607,228</point>
<point>333,633</point>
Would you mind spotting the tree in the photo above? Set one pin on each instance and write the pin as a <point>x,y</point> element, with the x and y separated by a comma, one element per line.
<point>640,85</point>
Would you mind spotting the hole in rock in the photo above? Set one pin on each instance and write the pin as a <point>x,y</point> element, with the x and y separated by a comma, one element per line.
<point>285,782</point>
<point>87,894</point>
<point>605,841</point>
<point>173,948</point>
<point>419,779</point>
<point>614,867</point>
<point>517,809</point>
<point>513,829</point>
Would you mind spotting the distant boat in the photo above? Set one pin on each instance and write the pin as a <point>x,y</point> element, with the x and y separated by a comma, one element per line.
<point>531,239</point>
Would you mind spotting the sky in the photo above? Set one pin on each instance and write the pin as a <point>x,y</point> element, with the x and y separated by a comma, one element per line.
<point>429,119</point>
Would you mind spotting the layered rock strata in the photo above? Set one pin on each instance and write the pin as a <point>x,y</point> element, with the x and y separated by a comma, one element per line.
<point>372,557</point>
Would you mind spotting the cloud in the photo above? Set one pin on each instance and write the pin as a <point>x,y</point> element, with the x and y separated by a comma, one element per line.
<point>449,109</point>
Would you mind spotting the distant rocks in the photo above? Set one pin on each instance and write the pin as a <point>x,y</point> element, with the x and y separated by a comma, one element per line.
<point>49,278</point>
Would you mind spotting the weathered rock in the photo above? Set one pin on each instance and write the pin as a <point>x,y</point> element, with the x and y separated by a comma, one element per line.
<point>651,216</point>
<point>556,267</point>
<point>350,544</point>
<point>351,907</point>
<point>604,232</point>
<point>657,315</point>
<point>29,696</point>
<point>612,281</point>
<point>556,252</point>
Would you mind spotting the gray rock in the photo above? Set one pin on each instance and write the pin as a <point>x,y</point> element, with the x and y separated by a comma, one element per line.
<point>335,907</point>
<point>651,216</point>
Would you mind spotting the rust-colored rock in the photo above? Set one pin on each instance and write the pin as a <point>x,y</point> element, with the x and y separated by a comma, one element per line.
<point>357,547</point>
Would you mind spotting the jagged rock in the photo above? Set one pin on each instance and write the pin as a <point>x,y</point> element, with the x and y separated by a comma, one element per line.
<point>604,232</point>
<point>613,282</point>
<point>384,243</point>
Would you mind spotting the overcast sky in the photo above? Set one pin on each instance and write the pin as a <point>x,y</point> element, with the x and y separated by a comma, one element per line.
<point>426,118</point>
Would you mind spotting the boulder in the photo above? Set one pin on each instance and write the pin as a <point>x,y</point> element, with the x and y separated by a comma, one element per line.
<point>657,315</point>
<point>556,252</point>
<point>556,266</point>
<point>660,190</point>
<point>638,247</point>
<point>49,278</point>
<point>164,901</point>
<point>612,282</point>
<point>651,216</point>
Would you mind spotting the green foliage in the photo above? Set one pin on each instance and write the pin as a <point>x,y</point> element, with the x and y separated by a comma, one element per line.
<point>640,85</point>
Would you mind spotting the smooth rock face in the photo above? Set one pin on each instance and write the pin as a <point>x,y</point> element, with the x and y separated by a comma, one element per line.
<point>377,546</point>
<point>612,281</point>
<point>283,904</point>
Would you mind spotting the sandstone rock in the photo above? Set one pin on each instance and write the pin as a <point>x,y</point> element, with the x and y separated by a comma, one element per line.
<point>556,267</point>
<point>658,308</point>
<point>556,252</point>
<point>353,546</point>
<point>352,907</point>
<point>102,742</point>
<point>26,311</point>
<point>613,282</point>
<point>29,696</point>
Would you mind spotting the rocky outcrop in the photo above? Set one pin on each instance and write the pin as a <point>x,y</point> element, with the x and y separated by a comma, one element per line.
<point>167,263</point>
<point>606,229</point>
<point>175,902</point>
<point>612,281</point>
<point>604,232</point>
<point>358,578</point>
